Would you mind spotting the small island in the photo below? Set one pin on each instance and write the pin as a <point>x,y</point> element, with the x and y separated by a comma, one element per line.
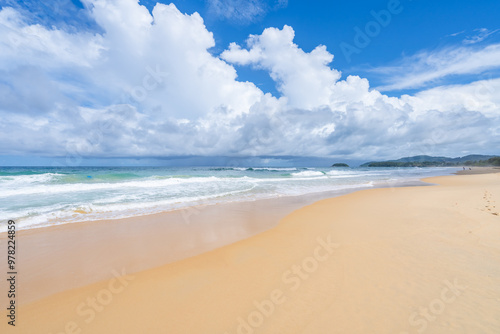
<point>340,165</point>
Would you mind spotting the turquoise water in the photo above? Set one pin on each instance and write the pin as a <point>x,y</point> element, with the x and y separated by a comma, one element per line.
<point>38,197</point>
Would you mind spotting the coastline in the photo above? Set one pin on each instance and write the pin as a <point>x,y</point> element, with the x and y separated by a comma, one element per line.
<point>249,167</point>
<point>478,170</point>
<point>374,247</point>
<point>95,194</point>
<point>67,256</point>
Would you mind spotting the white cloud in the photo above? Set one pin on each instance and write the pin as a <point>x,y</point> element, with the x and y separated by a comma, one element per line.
<point>305,79</point>
<point>481,35</point>
<point>148,87</point>
<point>480,96</point>
<point>426,68</point>
<point>38,46</point>
<point>456,33</point>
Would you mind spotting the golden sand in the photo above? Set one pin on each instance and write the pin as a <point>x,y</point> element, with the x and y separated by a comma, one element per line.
<point>398,260</point>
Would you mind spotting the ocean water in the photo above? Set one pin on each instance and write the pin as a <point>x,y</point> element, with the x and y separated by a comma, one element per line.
<point>37,196</point>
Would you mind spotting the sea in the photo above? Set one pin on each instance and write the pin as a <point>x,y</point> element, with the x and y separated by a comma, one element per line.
<point>41,196</point>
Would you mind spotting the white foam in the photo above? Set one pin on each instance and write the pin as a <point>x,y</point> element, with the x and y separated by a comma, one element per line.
<point>87,187</point>
<point>54,202</point>
<point>308,173</point>
<point>274,169</point>
<point>25,180</point>
<point>58,215</point>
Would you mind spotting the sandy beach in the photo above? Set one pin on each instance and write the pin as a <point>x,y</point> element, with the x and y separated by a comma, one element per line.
<point>249,167</point>
<point>394,260</point>
<point>478,170</point>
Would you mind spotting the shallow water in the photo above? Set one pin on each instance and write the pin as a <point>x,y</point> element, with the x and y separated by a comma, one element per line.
<point>41,196</point>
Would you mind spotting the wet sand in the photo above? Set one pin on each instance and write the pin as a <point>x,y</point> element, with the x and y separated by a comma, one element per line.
<point>61,257</point>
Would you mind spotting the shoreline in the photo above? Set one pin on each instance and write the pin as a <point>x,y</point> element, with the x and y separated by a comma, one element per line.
<point>478,170</point>
<point>363,262</point>
<point>83,217</point>
<point>68,256</point>
<point>289,185</point>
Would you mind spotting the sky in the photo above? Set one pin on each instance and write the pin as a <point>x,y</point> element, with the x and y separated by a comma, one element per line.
<point>127,82</point>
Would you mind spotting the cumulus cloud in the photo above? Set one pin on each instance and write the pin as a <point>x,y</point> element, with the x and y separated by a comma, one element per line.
<point>147,86</point>
<point>304,78</point>
<point>36,45</point>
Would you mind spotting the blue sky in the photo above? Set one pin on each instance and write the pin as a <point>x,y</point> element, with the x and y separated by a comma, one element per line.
<point>421,25</point>
<point>422,79</point>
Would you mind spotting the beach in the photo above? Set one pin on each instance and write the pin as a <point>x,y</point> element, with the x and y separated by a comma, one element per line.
<point>390,260</point>
<point>249,167</point>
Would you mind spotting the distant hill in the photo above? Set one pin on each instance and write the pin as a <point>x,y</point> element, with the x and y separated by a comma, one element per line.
<point>429,161</point>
